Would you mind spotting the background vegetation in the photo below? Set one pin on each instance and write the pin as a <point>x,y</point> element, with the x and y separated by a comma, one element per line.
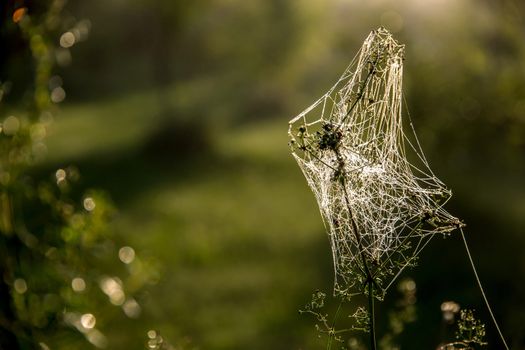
<point>179,111</point>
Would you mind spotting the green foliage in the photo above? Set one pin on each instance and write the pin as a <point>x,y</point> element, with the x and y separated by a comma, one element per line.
<point>327,325</point>
<point>362,319</point>
<point>403,313</point>
<point>470,333</point>
<point>55,238</point>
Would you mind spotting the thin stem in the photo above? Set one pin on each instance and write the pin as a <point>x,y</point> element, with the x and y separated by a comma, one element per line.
<point>332,331</point>
<point>351,217</point>
<point>371,315</point>
<point>370,280</point>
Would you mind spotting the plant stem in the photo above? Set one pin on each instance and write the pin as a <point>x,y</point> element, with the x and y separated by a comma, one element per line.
<point>370,280</point>
<point>371,315</point>
<point>332,328</point>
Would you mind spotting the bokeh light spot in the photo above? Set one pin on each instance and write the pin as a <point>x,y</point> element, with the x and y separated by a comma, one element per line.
<point>152,334</point>
<point>112,287</point>
<point>83,28</point>
<point>88,321</point>
<point>19,14</point>
<point>131,308</point>
<point>60,175</point>
<point>126,255</point>
<point>20,286</point>
<point>89,204</point>
<point>449,309</point>
<point>78,284</point>
<point>450,306</point>
<point>410,285</point>
<point>117,297</point>
<point>67,40</point>
<point>95,337</point>
<point>58,94</point>
<point>11,125</point>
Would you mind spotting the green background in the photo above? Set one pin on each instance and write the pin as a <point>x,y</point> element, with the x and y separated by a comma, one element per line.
<point>179,111</point>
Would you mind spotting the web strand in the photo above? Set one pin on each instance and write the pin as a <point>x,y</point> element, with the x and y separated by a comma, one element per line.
<point>482,291</point>
<point>380,201</point>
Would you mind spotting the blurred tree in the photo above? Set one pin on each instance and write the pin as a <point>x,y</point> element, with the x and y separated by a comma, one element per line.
<point>54,239</point>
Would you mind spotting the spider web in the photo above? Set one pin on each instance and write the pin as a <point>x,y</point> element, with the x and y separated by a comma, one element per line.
<point>380,209</point>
